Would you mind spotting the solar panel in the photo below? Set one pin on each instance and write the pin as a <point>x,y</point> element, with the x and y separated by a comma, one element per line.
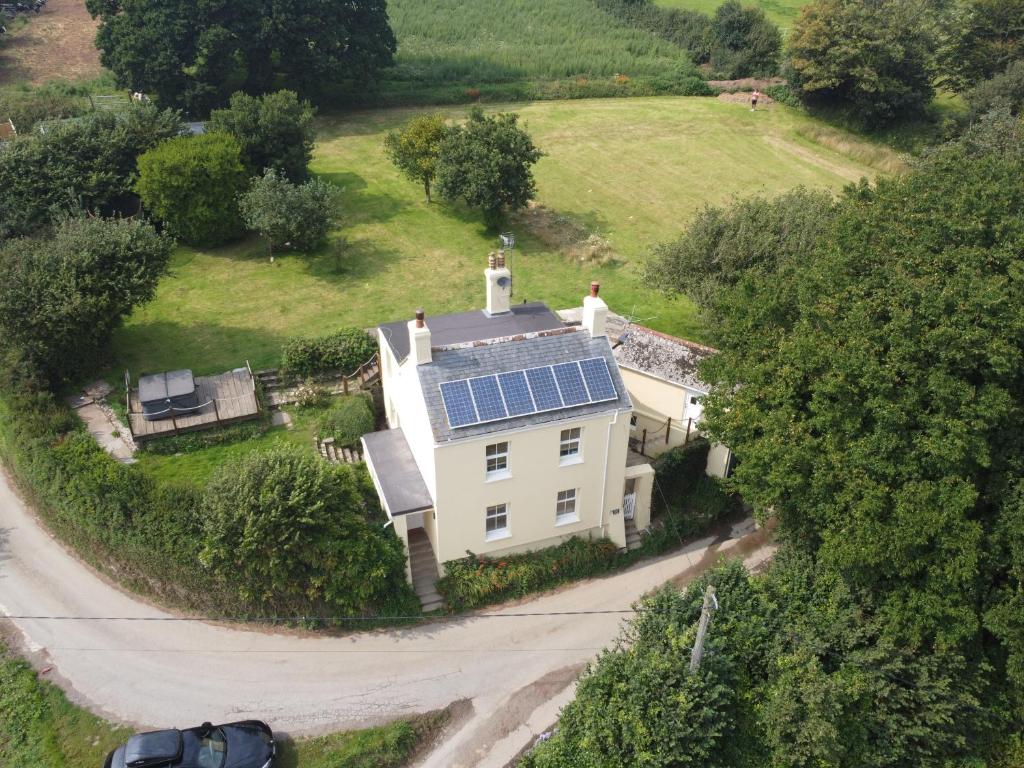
<point>570,382</point>
<point>545,391</point>
<point>517,393</point>
<point>458,403</point>
<point>598,380</point>
<point>487,396</point>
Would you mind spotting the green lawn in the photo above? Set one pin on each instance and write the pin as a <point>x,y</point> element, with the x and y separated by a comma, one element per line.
<point>40,728</point>
<point>632,170</point>
<point>781,12</point>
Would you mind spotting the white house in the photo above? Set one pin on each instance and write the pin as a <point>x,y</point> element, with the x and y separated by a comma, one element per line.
<point>508,431</point>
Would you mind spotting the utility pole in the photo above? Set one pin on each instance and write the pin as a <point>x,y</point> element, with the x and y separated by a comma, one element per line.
<point>710,604</point>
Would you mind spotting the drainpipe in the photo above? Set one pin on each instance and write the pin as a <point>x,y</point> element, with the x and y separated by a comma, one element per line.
<point>607,450</point>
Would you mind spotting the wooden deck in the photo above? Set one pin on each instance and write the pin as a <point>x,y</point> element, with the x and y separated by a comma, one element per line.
<point>226,398</point>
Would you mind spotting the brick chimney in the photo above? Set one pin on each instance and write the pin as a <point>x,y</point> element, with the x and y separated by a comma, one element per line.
<point>595,312</point>
<point>499,285</point>
<point>419,340</point>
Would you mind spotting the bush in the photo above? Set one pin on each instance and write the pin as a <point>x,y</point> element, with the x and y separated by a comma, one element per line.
<point>274,131</point>
<point>348,421</point>
<point>1004,91</point>
<point>295,536</point>
<point>197,441</point>
<point>783,94</point>
<point>677,470</point>
<point>27,106</point>
<point>477,580</point>
<point>343,351</point>
<point>192,184</point>
<point>297,216</point>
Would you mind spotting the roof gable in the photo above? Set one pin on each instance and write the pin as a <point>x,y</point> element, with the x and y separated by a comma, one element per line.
<point>666,357</point>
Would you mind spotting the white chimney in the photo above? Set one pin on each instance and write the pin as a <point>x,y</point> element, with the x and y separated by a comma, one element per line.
<point>419,340</point>
<point>499,285</point>
<point>595,312</point>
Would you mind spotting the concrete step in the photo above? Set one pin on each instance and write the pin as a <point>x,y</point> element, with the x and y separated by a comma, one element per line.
<point>431,605</point>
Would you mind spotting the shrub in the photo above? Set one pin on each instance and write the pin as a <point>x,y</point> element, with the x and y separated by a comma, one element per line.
<point>348,421</point>
<point>197,441</point>
<point>782,94</point>
<point>677,470</point>
<point>477,580</point>
<point>344,351</point>
<point>297,216</point>
<point>191,184</point>
<point>27,106</point>
<point>296,535</point>
<point>274,131</point>
<point>1004,91</point>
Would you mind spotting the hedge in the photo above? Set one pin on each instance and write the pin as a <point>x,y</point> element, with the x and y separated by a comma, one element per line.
<point>348,421</point>
<point>344,351</point>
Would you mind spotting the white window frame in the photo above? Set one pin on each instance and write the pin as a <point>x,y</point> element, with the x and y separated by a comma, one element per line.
<point>570,446</point>
<point>499,456</point>
<point>567,507</point>
<point>496,512</point>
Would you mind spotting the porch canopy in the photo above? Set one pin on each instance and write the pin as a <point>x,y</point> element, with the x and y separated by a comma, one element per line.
<point>395,473</point>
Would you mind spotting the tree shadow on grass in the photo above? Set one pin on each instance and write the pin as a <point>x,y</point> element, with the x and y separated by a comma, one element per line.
<point>359,206</point>
<point>358,260</point>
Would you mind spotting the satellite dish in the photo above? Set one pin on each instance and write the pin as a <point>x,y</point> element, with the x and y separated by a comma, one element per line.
<point>504,282</point>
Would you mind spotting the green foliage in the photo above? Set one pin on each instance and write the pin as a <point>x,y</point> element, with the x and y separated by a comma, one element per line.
<point>722,244</point>
<point>27,106</point>
<point>274,131</point>
<point>62,296</point>
<point>296,216</point>
<point>87,163</point>
<point>487,163</point>
<point>874,59</point>
<point>477,580</point>
<point>343,351</point>
<point>415,148</point>
<point>984,37</point>
<point>782,94</point>
<point>350,419</point>
<point>191,184</point>
<point>1003,91</point>
<point>197,441</point>
<point>299,536</point>
<point>677,470</point>
<point>195,56</point>
<point>745,43</point>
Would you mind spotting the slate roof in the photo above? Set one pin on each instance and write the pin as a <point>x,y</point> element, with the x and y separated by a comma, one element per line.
<point>397,474</point>
<point>464,327</point>
<point>514,355</point>
<point>661,355</point>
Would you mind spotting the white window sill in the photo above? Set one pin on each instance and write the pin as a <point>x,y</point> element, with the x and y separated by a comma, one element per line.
<point>500,474</point>
<point>567,461</point>
<point>498,535</point>
<point>566,520</point>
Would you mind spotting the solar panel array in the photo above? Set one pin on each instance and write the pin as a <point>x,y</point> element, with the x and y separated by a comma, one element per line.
<point>533,390</point>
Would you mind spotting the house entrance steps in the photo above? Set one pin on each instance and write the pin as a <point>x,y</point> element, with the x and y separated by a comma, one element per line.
<point>423,565</point>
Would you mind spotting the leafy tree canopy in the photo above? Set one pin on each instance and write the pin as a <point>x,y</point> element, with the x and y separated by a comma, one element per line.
<point>487,163</point>
<point>300,535</point>
<point>299,215</point>
<point>191,184</point>
<point>874,57</point>
<point>1005,91</point>
<point>746,43</point>
<point>415,148</point>
<point>62,296</point>
<point>983,38</point>
<point>195,55</point>
<point>274,131</point>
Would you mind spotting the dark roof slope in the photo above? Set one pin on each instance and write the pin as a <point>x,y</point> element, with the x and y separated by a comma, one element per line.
<point>661,355</point>
<point>481,360</point>
<point>396,471</point>
<point>464,327</point>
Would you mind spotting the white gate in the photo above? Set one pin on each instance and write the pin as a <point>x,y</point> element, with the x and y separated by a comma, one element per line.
<point>629,505</point>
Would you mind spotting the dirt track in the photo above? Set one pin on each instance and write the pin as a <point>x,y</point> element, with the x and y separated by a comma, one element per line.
<point>57,43</point>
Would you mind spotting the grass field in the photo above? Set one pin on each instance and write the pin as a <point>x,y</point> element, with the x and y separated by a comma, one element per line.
<point>40,728</point>
<point>632,171</point>
<point>781,12</point>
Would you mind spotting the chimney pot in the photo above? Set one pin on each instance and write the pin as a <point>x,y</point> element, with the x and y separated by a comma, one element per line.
<point>492,261</point>
<point>594,288</point>
<point>501,259</point>
<point>419,318</point>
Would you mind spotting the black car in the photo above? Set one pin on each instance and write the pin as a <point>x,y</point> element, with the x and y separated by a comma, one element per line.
<point>246,744</point>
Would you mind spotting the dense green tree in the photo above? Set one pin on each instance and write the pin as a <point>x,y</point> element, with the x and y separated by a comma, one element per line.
<point>1004,91</point>
<point>874,57</point>
<point>62,296</point>
<point>87,163</point>
<point>723,244</point>
<point>487,163</point>
<point>297,216</point>
<point>192,184</point>
<point>415,148</point>
<point>299,535</point>
<point>195,55</point>
<point>274,131</point>
<point>983,37</point>
<point>745,43</point>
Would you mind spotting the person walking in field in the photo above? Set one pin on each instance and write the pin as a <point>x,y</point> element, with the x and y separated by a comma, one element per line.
<point>753,100</point>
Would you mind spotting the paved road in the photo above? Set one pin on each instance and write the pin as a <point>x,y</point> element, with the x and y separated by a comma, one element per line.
<point>514,670</point>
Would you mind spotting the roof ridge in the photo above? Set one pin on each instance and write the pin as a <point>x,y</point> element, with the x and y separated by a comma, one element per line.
<point>677,339</point>
<point>503,339</point>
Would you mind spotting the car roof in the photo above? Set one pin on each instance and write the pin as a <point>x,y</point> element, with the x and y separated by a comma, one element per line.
<point>152,748</point>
